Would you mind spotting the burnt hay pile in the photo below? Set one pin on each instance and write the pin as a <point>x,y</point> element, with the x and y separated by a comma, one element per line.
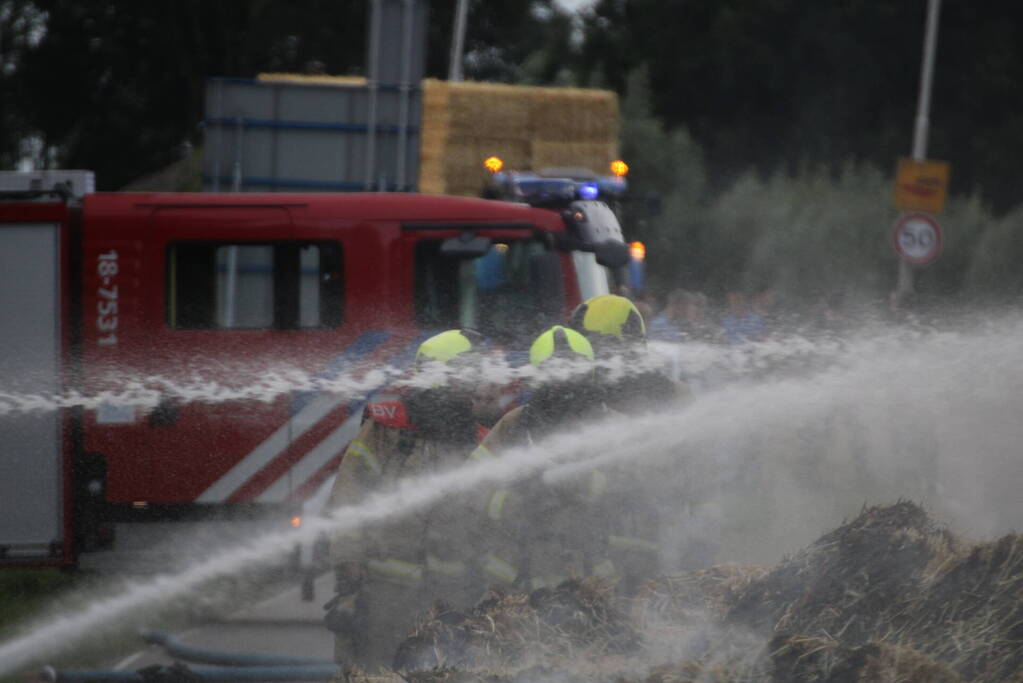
<point>892,585</point>
<point>576,622</point>
<point>889,596</point>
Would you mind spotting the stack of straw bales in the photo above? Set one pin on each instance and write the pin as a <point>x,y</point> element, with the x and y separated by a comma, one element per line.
<point>527,127</point>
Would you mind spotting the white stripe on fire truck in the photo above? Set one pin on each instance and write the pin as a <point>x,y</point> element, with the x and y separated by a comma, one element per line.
<point>311,413</point>
<point>299,424</point>
<point>272,447</point>
<point>311,462</point>
<point>335,443</point>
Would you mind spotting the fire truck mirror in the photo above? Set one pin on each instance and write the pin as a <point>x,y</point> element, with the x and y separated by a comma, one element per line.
<point>611,253</point>
<point>465,246</point>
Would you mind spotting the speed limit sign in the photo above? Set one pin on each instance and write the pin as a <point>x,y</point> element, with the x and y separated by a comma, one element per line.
<point>917,238</point>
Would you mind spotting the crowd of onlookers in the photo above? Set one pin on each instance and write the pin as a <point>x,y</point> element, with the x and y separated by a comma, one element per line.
<point>685,315</point>
<point>738,316</point>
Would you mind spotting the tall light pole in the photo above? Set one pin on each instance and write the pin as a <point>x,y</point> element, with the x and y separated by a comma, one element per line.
<point>458,41</point>
<point>922,123</point>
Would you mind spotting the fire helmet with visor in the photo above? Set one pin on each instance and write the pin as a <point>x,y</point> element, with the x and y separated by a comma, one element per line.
<point>561,342</point>
<point>448,346</point>
<point>609,315</point>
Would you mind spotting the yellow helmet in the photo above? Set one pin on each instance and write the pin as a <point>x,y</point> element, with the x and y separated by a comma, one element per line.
<point>559,341</point>
<point>609,314</point>
<point>448,345</point>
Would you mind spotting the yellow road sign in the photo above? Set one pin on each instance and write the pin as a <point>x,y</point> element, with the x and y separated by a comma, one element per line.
<point>921,185</point>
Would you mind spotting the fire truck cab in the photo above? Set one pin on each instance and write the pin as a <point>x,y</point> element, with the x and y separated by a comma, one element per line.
<point>167,355</point>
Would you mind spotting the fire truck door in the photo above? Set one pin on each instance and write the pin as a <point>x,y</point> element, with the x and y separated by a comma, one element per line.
<point>30,367</point>
<point>230,282</point>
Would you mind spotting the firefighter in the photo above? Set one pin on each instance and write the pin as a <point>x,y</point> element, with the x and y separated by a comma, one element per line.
<point>537,533</point>
<point>643,505</point>
<point>615,328</point>
<point>389,572</point>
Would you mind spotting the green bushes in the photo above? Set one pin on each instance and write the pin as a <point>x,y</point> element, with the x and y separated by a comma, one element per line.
<point>24,591</point>
<point>807,232</point>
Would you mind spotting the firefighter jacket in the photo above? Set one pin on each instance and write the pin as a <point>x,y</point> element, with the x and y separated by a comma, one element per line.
<point>400,439</point>
<point>641,498</point>
<point>538,532</point>
<point>644,392</point>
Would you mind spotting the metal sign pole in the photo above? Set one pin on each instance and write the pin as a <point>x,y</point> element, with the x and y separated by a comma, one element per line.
<point>239,142</point>
<point>372,82</point>
<point>905,282</point>
<point>404,89</point>
<point>926,78</point>
<point>218,145</point>
<point>458,41</point>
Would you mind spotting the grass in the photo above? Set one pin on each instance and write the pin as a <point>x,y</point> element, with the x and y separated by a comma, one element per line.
<point>31,595</point>
<point>28,595</point>
<point>26,592</point>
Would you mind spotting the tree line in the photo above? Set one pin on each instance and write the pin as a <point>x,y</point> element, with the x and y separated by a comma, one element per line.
<point>765,132</point>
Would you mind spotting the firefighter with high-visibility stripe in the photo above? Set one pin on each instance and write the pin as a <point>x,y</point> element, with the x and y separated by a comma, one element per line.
<point>389,572</point>
<point>537,531</point>
<point>615,328</point>
<point>644,502</point>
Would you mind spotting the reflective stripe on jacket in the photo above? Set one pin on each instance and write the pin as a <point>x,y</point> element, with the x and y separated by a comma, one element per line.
<point>376,459</point>
<point>393,569</point>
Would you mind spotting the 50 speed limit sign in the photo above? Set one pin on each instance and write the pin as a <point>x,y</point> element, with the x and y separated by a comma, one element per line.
<point>917,238</point>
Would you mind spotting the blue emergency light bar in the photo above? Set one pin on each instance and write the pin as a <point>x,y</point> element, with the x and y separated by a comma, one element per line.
<point>535,189</point>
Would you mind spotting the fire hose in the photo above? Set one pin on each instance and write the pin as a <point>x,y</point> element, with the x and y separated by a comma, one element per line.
<point>190,653</point>
<point>179,673</point>
<point>229,666</point>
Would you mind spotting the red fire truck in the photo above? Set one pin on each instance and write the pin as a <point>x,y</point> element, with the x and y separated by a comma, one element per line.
<point>149,338</point>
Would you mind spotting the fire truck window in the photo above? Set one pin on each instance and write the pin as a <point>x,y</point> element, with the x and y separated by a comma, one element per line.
<point>437,289</point>
<point>324,275</point>
<point>505,293</point>
<point>245,291</point>
<point>191,272</point>
<point>254,286</point>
